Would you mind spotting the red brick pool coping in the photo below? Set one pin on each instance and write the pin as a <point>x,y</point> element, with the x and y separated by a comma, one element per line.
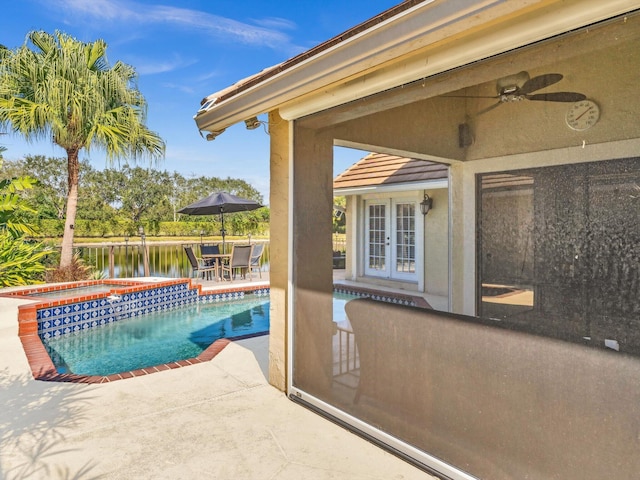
<point>41,364</point>
<point>43,369</point>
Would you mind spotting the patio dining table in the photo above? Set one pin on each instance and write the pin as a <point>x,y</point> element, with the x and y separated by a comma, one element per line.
<point>220,258</point>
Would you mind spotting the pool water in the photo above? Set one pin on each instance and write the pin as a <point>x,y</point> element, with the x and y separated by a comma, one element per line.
<point>157,338</point>
<point>339,302</point>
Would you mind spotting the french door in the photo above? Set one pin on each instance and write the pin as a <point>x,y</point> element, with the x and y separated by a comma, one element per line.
<point>390,239</point>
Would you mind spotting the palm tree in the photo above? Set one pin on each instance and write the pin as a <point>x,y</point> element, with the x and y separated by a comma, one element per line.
<point>64,90</point>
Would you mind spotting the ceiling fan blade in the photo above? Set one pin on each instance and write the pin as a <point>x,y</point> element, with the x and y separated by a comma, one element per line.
<point>541,81</point>
<point>557,97</point>
<point>469,96</point>
<point>488,109</point>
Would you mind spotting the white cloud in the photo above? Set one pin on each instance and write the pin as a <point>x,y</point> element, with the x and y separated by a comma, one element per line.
<point>132,13</point>
<point>146,67</point>
<point>276,23</point>
<point>182,88</point>
<point>208,76</point>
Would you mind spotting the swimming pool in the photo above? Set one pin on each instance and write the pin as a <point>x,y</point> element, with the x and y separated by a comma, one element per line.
<point>157,338</point>
<point>51,320</point>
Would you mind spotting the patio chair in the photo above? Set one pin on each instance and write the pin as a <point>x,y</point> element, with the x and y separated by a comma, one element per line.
<point>198,266</point>
<point>240,260</point>
<point>256,256</point>
<point>210,250</point>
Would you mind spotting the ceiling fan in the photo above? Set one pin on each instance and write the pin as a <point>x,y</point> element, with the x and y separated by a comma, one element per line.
<point>520,86</point>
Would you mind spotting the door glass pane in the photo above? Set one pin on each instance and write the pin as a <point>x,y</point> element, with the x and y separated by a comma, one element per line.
<point>377,237</point>
<point>405,238</point>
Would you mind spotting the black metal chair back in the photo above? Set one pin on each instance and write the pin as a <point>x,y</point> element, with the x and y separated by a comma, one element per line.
<point>192,258</point>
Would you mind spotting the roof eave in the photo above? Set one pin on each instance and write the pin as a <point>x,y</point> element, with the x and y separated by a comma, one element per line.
<point>335,75</point>
<point>363,51</point>
<point>392,187</point>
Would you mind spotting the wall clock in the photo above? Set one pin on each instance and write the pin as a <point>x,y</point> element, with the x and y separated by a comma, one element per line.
<point>583,115</point>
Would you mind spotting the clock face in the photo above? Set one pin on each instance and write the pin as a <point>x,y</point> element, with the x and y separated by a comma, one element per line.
<point>583,115</point>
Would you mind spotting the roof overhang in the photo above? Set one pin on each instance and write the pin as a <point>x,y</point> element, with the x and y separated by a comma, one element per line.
<point>431,37</point>
<point>396,187</point>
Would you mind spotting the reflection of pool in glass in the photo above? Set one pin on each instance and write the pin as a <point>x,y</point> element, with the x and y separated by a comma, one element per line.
<point>157,338</point>
<point>339,315</point>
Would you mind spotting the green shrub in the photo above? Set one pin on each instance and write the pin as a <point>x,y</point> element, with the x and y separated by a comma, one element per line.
<point>51,228</point>
<point>20,261</point>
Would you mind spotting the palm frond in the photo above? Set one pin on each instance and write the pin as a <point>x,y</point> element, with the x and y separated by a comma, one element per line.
<point>64,89</point>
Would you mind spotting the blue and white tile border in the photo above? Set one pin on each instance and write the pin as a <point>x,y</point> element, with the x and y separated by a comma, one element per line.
<point>380,296</point>
<point>226,296</point>
<point>79,316</point>
<point>76,317</point>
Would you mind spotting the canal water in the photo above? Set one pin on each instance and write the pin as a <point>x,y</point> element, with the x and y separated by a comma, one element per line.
<point>166,259</point>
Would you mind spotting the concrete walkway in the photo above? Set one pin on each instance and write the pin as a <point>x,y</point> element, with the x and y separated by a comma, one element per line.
<point>215,420</point>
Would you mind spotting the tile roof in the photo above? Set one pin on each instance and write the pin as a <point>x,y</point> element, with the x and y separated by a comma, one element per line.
<point>378,169</point>
<point>312,52</point>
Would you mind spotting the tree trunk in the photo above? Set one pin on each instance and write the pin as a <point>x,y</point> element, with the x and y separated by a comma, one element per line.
<point>73,168</point>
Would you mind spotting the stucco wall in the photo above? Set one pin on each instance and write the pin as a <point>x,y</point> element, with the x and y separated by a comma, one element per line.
<point>279,267</point>
<point>436,244</point>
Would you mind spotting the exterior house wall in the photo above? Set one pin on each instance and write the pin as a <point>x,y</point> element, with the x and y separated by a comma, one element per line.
<point>436,244</point>
<point>413,284</point>
<point>279,201</point>
<point>312,202</point>
<point>351,263</point>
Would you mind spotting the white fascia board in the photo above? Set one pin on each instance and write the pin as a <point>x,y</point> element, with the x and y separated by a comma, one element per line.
<point>398,187</point>
<point>333,73</point>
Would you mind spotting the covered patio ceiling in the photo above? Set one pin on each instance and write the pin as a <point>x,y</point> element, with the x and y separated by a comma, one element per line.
<point>396,53</point>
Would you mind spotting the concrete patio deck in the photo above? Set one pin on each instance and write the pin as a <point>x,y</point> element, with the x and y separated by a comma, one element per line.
<point>219,419</point>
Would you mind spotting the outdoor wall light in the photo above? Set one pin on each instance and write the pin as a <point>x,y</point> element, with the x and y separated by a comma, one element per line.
<point>426,204</point>
<point>214,134</point>
<point>252,123</point>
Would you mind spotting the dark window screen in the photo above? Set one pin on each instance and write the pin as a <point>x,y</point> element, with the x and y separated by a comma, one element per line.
<point>559,251</point>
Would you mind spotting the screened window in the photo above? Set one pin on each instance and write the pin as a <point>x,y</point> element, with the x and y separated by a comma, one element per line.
<point>560,251</point>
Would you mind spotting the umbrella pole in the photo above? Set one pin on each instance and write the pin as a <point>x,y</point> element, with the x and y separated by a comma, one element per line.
<point>222,232</point>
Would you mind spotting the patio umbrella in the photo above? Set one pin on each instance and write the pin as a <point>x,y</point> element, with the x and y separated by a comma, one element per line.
<point>218,204</point>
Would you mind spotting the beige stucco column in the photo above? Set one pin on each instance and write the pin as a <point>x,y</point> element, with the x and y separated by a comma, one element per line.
<point>462,239</point>
<point>279,248</point>
<point>312,267</point>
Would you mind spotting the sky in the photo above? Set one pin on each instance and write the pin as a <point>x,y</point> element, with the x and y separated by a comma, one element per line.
<point>184,51</point>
